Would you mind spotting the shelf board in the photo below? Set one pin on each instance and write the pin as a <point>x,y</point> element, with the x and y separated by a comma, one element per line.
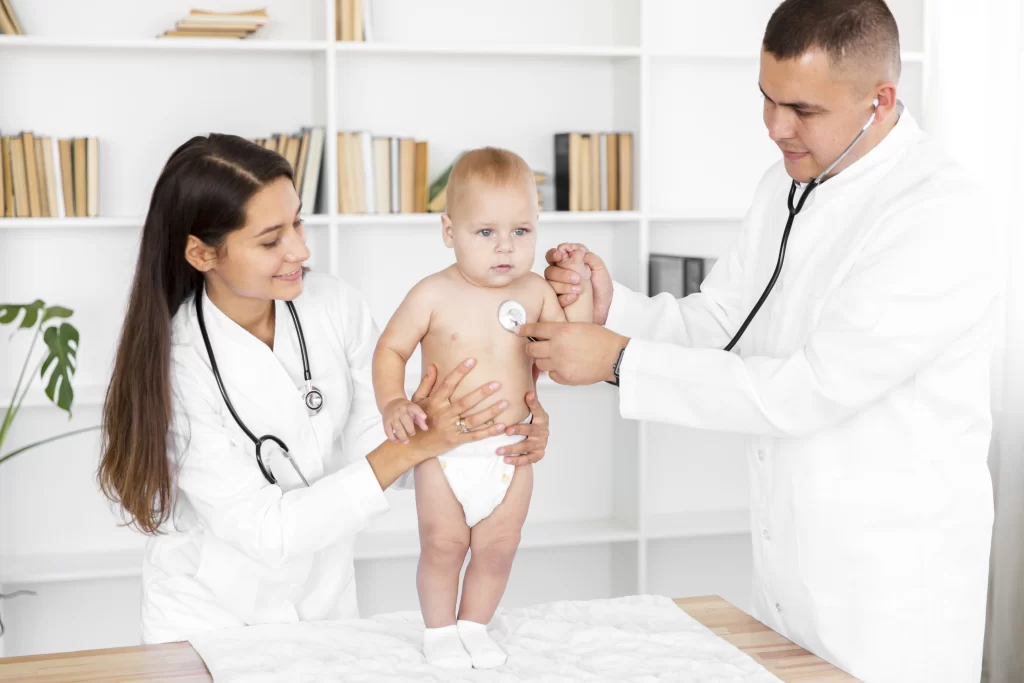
<point>85,566</point>
<point>546,218</point>
<point>85,395</point>
<point>569,51</point>
<point>698,524</point>
<point>691,215</point>
<point>186,44</point>
<point>106,222</point>
<point>371,48</point>
<point>379,545</point>
<point>705,57</point>
<point>93,395</point>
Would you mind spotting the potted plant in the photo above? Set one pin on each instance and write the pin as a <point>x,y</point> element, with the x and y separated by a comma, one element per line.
<point>56,367</point>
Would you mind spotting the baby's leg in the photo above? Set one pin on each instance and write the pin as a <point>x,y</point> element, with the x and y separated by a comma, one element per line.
<point>493,541</point>
<point>444,539</point>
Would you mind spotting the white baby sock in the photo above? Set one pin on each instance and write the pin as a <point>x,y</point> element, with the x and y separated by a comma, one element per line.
<point>442,647</point>
<point>485,652</point>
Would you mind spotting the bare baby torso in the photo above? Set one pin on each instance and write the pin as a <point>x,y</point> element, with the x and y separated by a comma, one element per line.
<point>464,324</point>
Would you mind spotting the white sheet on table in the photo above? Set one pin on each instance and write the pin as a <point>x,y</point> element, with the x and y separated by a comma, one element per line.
<point>637,638</point>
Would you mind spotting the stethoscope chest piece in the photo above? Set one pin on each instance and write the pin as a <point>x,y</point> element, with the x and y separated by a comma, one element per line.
<point>313,399</point>
<point>510,314</point>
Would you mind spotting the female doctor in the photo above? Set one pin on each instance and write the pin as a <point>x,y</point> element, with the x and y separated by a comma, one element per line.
<point>240,429</point>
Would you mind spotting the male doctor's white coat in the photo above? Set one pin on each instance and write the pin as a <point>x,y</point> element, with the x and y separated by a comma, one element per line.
<point>863,383</point>
<point>238,550</point>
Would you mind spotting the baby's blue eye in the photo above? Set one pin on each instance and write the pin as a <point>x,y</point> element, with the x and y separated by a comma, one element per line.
<point>486,232</point>
<point>521,231</point>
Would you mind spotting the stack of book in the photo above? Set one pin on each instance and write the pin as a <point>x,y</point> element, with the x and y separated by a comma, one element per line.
<point>593,171</point>
<point>9,20</point>
<point>205,24</point>
<point>680,276</point>
<point>304,151</point>
<point>42,176</point>
<point>352,20</point>
<point>381,174</point>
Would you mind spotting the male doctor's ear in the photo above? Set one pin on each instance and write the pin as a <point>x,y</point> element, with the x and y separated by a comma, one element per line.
<point>885,97</point>
<point>202,256</point>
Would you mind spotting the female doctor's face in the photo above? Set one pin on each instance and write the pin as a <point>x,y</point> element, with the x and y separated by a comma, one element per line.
<point>263,259</point>
<point>812,111</point>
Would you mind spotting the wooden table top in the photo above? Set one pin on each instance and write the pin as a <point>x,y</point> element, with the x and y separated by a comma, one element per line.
<point>180,663</point>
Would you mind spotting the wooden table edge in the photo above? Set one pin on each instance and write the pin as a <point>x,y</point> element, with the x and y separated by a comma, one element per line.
<point>180,661</point>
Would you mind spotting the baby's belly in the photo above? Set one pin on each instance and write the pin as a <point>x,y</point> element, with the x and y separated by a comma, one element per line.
<point>509,366</point>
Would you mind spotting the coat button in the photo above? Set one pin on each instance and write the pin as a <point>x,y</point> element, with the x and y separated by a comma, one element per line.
<point>778,607</point>
<point>760,454</point>
<point>764,533</point>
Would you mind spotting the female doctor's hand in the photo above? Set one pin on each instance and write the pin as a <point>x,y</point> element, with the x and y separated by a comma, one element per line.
<point>529,450</point>
<point>442,432</point>
<point>566,282</point>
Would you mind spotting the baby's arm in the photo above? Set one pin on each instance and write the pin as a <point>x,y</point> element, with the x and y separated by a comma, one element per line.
<point>397,343</point>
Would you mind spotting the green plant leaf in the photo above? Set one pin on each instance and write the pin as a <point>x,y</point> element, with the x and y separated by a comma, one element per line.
<point>51,312</point>
<point>9,313</point>
<point>62,342</point>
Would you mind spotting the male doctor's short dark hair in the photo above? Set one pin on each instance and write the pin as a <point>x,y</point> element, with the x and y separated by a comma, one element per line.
<point>858,31</point>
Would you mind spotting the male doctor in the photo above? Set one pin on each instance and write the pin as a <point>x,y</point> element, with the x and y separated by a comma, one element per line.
<point>862,382</point>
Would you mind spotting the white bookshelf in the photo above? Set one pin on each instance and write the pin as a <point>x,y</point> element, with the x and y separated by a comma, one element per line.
<point>619,507</point>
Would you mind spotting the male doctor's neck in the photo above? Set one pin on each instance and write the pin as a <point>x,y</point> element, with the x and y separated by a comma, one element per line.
<point>823,62</point>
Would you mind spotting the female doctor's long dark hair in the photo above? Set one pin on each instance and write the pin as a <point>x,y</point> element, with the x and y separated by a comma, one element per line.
<point>203,191</point>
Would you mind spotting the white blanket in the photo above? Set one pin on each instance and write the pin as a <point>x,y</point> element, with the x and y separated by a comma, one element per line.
<point>638,638</point>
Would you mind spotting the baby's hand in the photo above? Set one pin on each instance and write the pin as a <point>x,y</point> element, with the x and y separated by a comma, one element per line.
<point>573,260</point>
<point>400,417</point>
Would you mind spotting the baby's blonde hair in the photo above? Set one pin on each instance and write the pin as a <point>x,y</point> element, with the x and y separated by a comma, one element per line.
<point>492,165</point>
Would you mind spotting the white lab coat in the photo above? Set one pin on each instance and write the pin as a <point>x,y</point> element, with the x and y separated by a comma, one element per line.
<point>240,551</point>
<point>863,384</point>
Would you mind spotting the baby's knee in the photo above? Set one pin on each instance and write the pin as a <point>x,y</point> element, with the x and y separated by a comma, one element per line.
<point>496,554</point>
<point>444,547</point>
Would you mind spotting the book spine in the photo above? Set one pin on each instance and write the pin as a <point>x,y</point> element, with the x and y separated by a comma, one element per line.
<point>561,172</point>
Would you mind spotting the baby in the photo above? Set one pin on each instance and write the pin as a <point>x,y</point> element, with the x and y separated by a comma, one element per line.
<point>469,498</point>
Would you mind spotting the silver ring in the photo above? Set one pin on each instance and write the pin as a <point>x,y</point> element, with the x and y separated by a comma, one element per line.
<point>461,424</point>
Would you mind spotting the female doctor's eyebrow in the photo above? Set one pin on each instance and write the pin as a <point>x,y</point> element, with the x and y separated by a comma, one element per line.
<point>801,106</point>
<point>272,228</point>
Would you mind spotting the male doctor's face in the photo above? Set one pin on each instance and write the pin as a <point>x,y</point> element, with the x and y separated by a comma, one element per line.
<point>812,111</point>
<point>263,259</point>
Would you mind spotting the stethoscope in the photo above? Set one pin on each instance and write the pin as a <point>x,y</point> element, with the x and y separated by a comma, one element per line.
<point>313,399</point>
<point>793,211</point>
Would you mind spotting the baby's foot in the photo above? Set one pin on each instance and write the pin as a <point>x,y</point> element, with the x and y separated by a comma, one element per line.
<point>485,652</point>
<point>442,647</point>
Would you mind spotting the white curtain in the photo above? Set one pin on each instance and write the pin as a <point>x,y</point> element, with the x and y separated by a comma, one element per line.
<point>976,110</point>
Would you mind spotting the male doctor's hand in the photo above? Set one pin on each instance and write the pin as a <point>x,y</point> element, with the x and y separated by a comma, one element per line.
<point>574,353</point>
<point>566,282</point>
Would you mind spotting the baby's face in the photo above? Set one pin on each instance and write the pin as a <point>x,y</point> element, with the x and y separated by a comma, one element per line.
<point>494,232</point>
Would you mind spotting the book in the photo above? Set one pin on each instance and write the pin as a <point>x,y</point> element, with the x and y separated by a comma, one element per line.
<point>593,171</point>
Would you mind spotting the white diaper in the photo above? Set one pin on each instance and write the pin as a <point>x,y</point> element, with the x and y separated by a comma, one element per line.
<point>479,476</point>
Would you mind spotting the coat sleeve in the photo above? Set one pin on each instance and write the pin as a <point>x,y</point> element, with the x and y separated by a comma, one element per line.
<point>364,428</point>
<point>921,283</point>
<point>705,319</point>
<point>220,479</point>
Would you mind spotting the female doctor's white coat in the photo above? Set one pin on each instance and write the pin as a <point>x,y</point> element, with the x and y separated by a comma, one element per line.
<point>239,551</point>
<point>863,383</point>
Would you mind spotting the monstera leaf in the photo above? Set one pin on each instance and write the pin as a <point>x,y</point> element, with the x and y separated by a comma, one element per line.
<point>56,368</point>
<point>62,343</point>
